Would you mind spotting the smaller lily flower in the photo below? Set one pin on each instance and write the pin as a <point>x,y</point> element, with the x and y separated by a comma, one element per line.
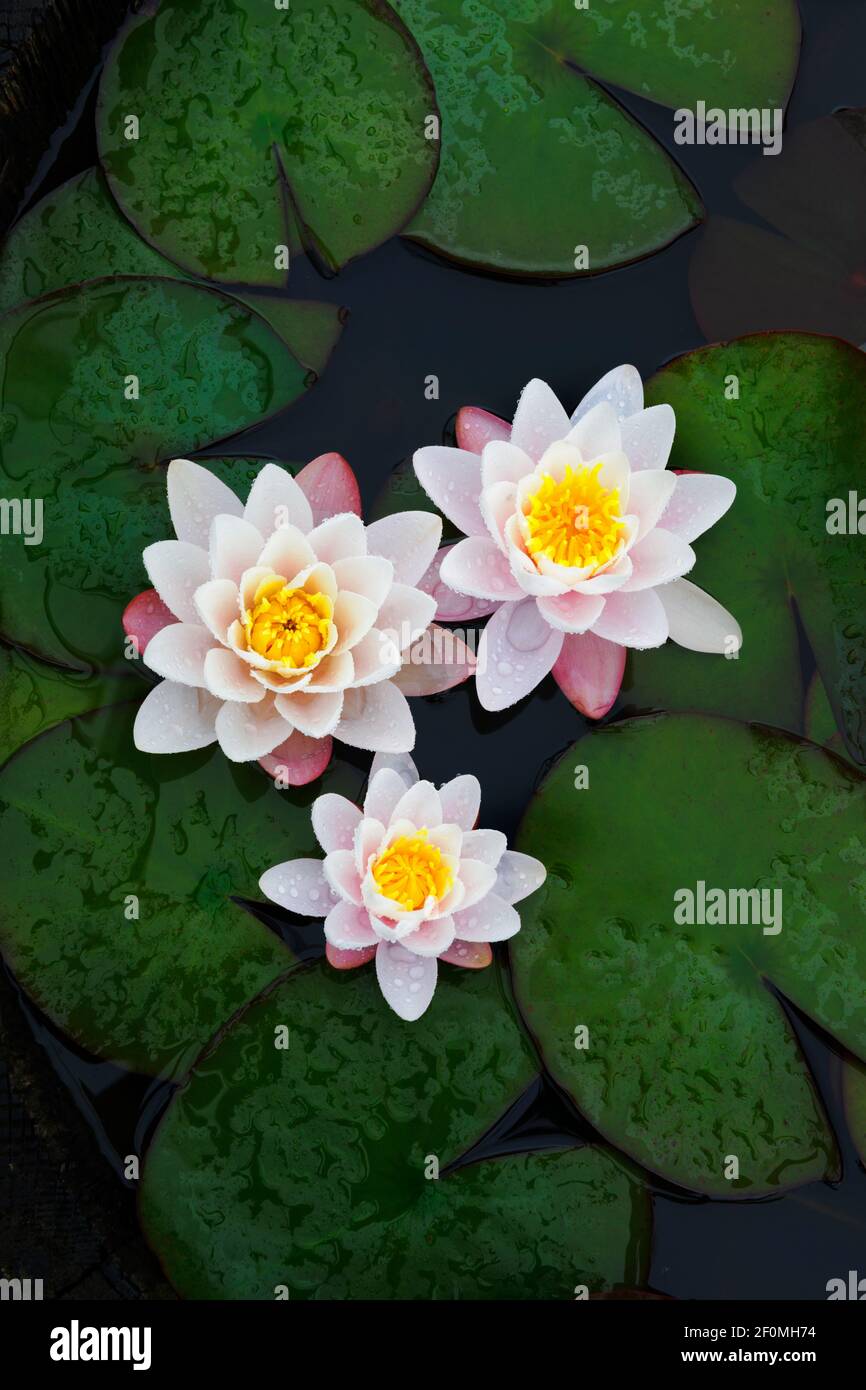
<point>407,881</point>
<point>284,623</point>
<point>578,537</point>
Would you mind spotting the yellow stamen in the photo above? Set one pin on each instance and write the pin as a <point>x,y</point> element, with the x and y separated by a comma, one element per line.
<point>575,522</point>
<point>288,626</point>
<point>410,871</point>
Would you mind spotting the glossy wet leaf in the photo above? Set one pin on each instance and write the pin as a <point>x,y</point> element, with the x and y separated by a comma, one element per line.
<point>263,127</point>
<point>204,367</point>
<point>690,1056</point>
<point>537,159</point>
<point>403,493</point>
<point>304,1166</point>
<point>76,233</point>
<point>791,442</point>
<point>92,829</point>
<point>35,696</point>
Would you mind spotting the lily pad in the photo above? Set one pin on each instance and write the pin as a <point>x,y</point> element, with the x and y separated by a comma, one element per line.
<point>537,158</point>
<point>314,1157</point>
<point>792,442</point>
<point>690,1057</point>
<point>262,127</point>
<point>402,492</point>
<point>76,233</point>
<point>34,696</point>
<point>204,367</point>
<point>94,833</point>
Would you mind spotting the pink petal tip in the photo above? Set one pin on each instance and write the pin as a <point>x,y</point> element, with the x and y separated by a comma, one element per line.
<point>144,617</point>
<point>589,672</point>
<point>299,760</point>
<point>348,960</point>
<point>330,487</point>
<point>472,955</point>
<point>477,427</point>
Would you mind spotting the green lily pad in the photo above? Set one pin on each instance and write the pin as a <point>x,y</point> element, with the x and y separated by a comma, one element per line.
<point>690,1057</point>
<point>402,492</point>
<point>93,831</point>
<point>76,233</point>
<point>34,696</point>
<point>791,442</point>
<point>206,367</point>
<point>302,1167</point>
<point>261,128</point>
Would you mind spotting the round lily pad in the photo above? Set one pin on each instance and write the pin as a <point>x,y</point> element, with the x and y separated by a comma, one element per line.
<point>307,1157</point>
<point>102,384</point>
<point>779,414</point>
<point>233,129</point>
<point>121,868</point>
<point>538,160</point>
<point>76,233</point>
<point>35,696</point>
<point>689,1060</point>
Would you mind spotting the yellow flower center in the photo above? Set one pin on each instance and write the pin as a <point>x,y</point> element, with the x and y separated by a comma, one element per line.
<point>288,626</point>
<point>410,871</point>
<point>575,522</point>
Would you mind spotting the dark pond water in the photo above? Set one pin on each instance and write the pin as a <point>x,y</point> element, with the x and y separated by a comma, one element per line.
<point>412,315</point>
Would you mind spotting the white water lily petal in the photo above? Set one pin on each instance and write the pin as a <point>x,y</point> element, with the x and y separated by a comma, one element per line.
<point>518,875</point>
<point>176,569</point>
<point>300,886</point>
<point>235,545</point>
<point>498,504</point>
<point>378,718</point>
<point>647,438</point>
<point>420,804</point>
<point>228,677</point>
<point>452,480</point>
<point>621,388</point>
<point>633,620</point>
<point>607,580</point>
<point>477,878</point>
<point>478,567</point>
<point>401,763</point>
<point>523,570</point>
<point>175,719</point>
<point>335,820</point>
<point>492,919</point>
<point>697,621</point>
<point>699,501</point>
<point>246,732</point>
<point>276,500</point>
<point>649,495</point>
<point>339,537</point>
<point>409,540</point>
<point>218,603</point>
<point>407,981</point>
<point>369,836</point>
<point>571,612</point>
<point>195,497</point>
<point>517,650</point>
<point>369,575</point>
<point>539,419</point>
<point>177,652</point>
<point>486,845</point>
<point>596,433</point>
<point>461,800</point>
<point>341,873</point>
<point>376,658</point>
<point>657,559</point>
<point>316,715</point>
<point>287,553</point>
<point>334,672</point>
<point>385,789</point>
<point>405,614</point>
<point>348,927</point>
<point>503,462</point>
<point>430,939</point>
<point>354,615</point>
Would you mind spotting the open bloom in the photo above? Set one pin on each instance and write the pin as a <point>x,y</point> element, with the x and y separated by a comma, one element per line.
<point>407,880</point>
<point>274,628</point>
<point>578,537</point>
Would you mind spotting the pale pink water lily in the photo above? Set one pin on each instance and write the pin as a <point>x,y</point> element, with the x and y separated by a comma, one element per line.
<point>407,880</point>
<point>579,536</point>
<point>283,623</point>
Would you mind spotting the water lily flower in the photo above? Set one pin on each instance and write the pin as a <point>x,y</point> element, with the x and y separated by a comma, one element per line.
<point>578,536</point>
<point>408,881</point>
<point>283,623</point>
